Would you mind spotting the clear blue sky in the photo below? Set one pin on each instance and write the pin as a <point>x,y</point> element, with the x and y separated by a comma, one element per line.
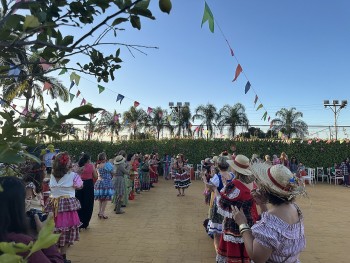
<point>295,53</point>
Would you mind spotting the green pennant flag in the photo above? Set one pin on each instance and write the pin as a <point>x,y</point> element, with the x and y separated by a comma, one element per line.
<point>71,96</point>
<point>101,89</point>
<point>259,107</point>
<point>208,16</point>
<point>74,76</point>
<point>63,71</point>
<point>264,116</point>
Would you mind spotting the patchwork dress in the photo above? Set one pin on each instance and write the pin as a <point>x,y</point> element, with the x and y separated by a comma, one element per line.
<point>64,205</point>
<point>231,247</point>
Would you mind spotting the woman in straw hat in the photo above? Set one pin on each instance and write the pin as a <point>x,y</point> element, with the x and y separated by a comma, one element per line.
<point>236,193</point>
<point>216,183</point>
<point>279,235</point>
<point>119,182</point>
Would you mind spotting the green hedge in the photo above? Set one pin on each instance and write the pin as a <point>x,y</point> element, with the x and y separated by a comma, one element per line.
<point>311,153</point>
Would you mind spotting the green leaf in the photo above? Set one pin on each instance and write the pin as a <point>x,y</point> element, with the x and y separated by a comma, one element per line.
<point>143,4</point>
<point>63,71</point>
<point>67,40</point>
<point>142,12</point>
<point>165,6</point>
<point>119,20</point>
<point>77,113</point>
<point>30,22</point>
<point>9,258</point>
<point>46,238</point>
<point>135,22</point>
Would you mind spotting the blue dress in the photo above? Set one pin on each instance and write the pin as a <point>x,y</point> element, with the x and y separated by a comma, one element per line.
<point>104,189</point>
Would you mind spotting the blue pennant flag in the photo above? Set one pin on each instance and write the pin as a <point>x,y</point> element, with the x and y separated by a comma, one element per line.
<point>247,87</point>
<point>120,98</point>
<point>71,85</point>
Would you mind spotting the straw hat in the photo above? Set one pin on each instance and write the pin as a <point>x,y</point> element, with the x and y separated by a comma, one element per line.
<point>208,160</point>
<point>277,179</point>
<point>215,158</point>
<point>240,164</point>
<point>119,159</point>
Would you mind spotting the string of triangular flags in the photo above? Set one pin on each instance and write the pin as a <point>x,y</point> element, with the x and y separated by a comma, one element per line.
<point>209,17</point>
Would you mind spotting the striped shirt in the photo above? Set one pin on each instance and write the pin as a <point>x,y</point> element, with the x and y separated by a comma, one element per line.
<point>285,240</point>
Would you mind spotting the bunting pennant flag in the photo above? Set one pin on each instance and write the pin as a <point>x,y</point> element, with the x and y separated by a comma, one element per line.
<point>74,76</point>
<point>208,16</point>
<point>264,116</point>
<point>238,71</point>
<point>100,89</point>
<point>83,102</point>
<point>2,102</point>
<point>196,129</point>
<point>71,96</point>
<point>33,114</point>
<point>116,118</point>
<point>247,87</point>
<point>14,72</point>
<point>231,50</point>
<point>78,93</point>
<point>120,97</point>
<point>44,65</point>
<point>47,86</point>
<point>71,85</point>
<point>126,122</point>
<point>136,103</point>
<point>268,119</point>
<point>259,107</point>
<point>149,110</point>
<point>14,106</point>
<point>160,114</point>
<point>255,100</point>
<point>63,71</point>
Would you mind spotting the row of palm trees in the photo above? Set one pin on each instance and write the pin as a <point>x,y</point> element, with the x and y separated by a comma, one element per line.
<point>180,123</point>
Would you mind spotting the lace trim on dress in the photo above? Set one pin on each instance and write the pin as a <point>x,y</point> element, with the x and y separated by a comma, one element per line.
<point>233,239</point>
<point>234,193</point>
<point>221,211</point>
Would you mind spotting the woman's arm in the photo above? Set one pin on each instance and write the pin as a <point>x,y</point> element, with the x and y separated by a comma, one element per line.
<point>94,172</point>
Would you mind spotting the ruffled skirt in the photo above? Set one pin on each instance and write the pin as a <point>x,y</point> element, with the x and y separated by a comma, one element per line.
<point>182,180</point>
<point>103,189</point>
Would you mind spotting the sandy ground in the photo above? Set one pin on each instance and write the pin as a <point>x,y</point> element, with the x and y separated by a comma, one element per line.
<point>160,227</point>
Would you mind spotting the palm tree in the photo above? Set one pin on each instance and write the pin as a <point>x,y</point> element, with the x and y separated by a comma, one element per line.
<point>159,121</point>
<point>289,123</point>
<point>135,119</point>
<point>109,122</point>
<point>30,85</point>
<point>232,116</point>
<point>182,117</point>
<point>208,115</point>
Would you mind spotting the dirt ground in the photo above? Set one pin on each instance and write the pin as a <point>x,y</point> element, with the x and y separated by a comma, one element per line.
<point>160,227</point>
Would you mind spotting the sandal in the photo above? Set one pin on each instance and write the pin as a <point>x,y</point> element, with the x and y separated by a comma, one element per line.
<point>178,194</point>
<point>104,217</point>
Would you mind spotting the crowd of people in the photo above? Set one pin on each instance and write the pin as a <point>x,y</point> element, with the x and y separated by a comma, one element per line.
<point>66,189</point>
<point>252,213</point>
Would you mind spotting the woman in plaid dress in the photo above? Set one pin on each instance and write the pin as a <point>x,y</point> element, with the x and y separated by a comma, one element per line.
<point>63,203</point>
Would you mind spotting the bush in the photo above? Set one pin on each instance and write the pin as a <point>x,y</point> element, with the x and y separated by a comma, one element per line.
<point>312,153</point>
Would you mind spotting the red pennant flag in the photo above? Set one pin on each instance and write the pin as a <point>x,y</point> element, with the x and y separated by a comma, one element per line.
<point>47,86</point>
<point>78,93</point>
<point>136,103</point>
<point>25,111</point>
<point>14,106</point>
<point>44,65</point>
<point>238,71</point>
<point>149,110</point>
<point>160,114</point>
<point>83,102</point>
<point>270,124</point>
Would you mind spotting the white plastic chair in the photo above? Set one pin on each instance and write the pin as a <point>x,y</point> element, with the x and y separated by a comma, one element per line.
<point>336,176</point>
<point>320,174</point>
<point>310,177</point>
<point>198,172</point>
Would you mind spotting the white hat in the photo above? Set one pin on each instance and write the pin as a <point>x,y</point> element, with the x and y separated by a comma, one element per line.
<point>240,164</point>
<point>119,159</point>
<point>277,179</point>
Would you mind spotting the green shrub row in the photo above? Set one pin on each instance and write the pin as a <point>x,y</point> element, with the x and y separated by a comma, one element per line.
<point>311,153</point>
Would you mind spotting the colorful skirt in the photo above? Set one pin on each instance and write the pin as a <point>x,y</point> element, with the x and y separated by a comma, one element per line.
<point>103,189</point>
<point>182,180</point>
<point>229,252</point>
<point>153,177</point>
<point>215,223</point>
<point>137,184</point>
<point>66,218</point>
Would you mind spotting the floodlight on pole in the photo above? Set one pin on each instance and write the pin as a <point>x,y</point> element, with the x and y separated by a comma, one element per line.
<point>335,106</point>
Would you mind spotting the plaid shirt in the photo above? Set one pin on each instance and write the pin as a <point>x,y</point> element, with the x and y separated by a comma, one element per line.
<point>344,169</point>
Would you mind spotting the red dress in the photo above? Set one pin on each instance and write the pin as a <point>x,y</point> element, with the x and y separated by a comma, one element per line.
<point>231,248</point>
<point>153,173</point>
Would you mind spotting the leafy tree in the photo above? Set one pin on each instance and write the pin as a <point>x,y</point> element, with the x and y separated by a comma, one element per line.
<point>134,120</point>
<point>39,26</point>
<point>159,121</point>
<point>289,123</point>
<point>182,117</point>
<point>208,115</point>
<point>232,116</point>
